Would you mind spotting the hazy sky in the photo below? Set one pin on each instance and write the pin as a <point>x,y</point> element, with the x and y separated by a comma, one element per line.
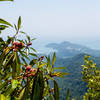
<point>57,20</point>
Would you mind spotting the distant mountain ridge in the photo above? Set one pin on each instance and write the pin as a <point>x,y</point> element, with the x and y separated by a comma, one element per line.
<point>68,49</point>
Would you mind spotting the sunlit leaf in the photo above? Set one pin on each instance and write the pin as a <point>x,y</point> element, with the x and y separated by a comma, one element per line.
<point>14,84</point>
<point>50,77</point>
<point>42,65</point>
<point>21,94</point>
<point>2,97</point>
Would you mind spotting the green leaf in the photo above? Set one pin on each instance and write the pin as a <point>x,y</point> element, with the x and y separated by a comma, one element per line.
<point>40,66</point>
<point>6,0</point>
<point>28,38</point>
<point>3,27</point>
<point>38,87</point>
<point>32,54</point>
<point>2,97</point>
<point>26,92</point>
<point>22,32</point>
<point>51,97</point>
<point>8,90</point>
<point>59,67</point>
<point>33,62</point>
<point>9,61</point>
<point>17,63</point>
<point>21,94</point>
<point>15,27</point>
<point>56,91</point>
<point>64,73</point>
<point>24,61</point>
<point>54,59</point>
<point>48,62</point>
<point>33,39</point>
<point>2,21</point>
<point>33,49</point>
<point>24,55</point>
<point>49,77</point>
<point>14,83</point>
<point>19,22</point>
<point>3,85</point>
<point>67,98</point>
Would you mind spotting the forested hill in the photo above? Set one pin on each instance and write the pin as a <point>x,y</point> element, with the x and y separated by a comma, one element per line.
<point>67,49</point>
<point>74,81</point>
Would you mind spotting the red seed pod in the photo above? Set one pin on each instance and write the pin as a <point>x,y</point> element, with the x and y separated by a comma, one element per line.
<point>33,70</point>
<point>28,67</point>
<point>42,57</point>
<point>26,70</point>
<point>15,43</point>
<point>32,74</point>
<point>20,45</point>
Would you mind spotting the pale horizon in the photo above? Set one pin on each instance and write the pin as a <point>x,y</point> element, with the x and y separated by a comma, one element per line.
<point>57,20</point>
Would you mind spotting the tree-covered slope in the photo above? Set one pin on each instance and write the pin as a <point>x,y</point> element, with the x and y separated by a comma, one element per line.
<point>73,81</point>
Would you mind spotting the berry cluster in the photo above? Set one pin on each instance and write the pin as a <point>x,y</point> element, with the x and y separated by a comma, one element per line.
<point>17,45</point>
<point>30,71</point>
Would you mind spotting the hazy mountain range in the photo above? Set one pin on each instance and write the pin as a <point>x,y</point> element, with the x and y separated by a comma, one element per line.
<point>68,49</point>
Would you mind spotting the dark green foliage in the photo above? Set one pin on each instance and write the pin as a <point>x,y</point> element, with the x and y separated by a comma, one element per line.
<point>6,0</point>
<point>56,91</point>
<point>38,87</point>
<point>68,95</point>
<point>74,80</point>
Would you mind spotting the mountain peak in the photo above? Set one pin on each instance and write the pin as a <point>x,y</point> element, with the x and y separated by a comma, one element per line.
<point>68,49</point>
